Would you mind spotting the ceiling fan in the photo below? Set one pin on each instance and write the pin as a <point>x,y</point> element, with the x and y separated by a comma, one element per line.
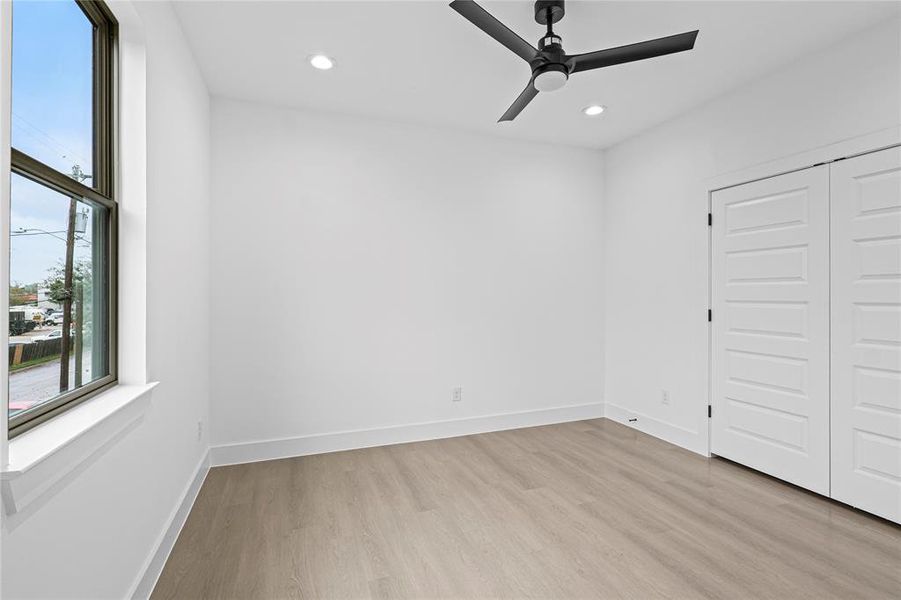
<point>551,66</point>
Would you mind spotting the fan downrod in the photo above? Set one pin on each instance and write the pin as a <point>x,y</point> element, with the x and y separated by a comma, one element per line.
<point>546,10</point>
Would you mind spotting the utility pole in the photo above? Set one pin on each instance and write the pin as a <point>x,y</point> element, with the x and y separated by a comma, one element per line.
<point>67,299</point>
<point>79,330</point>
<point>79,176</point>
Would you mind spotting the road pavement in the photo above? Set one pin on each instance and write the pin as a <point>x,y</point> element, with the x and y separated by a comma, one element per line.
<point>33,385</point>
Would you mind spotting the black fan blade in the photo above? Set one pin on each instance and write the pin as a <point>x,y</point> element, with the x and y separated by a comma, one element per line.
<point>632,52</point>
<point>482,19</point>
<point>520,103</point>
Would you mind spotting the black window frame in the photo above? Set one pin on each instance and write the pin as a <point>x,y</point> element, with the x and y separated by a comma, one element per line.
<point>102,191</point>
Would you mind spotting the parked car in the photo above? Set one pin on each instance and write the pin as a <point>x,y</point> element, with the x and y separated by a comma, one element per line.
<point>53,335</point>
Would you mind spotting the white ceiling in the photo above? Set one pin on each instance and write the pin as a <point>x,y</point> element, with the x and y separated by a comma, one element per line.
<point>422,62</point>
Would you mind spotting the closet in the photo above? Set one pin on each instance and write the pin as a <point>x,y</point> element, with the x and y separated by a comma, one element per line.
<point>806,334</point>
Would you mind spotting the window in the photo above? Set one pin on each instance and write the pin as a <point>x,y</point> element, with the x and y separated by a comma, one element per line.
<point>62,292</point>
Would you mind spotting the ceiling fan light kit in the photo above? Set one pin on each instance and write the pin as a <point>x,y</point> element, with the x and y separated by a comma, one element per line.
<point>551,66</point>
<point>550,78</point>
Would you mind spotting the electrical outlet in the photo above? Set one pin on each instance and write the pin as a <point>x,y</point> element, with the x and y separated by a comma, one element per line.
<point>664,397</point>
<point>458,394</point>
<point>199,430</point>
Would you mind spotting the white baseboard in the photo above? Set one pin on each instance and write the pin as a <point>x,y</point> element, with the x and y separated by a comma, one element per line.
<point>156,560</point>
<point>685,438</point>
<point>365,438</point>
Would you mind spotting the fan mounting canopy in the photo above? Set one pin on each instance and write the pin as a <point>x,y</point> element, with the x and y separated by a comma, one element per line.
<point>554,6</point>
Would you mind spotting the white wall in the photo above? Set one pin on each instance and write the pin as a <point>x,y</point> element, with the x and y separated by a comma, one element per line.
<point>93,538</point>
<point>361,270</point>
<point>656,233</point>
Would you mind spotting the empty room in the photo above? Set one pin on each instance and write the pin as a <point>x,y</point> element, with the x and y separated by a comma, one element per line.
<point>450,299</point>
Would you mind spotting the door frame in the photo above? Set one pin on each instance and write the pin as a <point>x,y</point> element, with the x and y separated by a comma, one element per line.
<point>864,144</point>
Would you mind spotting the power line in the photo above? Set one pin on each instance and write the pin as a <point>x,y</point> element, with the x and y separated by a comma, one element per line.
<point>50,141</point>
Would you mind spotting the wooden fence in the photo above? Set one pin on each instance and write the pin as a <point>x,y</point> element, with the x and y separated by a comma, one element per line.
<point>22,353</point>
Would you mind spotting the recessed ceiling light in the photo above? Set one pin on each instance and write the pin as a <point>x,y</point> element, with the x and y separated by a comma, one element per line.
<point>594,110</point>
<point>322,62</point>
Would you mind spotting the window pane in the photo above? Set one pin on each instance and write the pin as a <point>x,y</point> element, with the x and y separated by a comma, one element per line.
<point>52,83</point>
<point>40,223</point>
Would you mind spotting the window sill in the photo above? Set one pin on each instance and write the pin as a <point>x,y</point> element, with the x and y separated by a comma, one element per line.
<point>44,459</point>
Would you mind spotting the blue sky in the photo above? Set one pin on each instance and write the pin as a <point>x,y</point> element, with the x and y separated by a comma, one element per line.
<point>51,121</point>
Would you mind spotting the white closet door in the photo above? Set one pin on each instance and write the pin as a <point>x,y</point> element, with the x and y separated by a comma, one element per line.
<point>866,332</point>
<point>771,326</point>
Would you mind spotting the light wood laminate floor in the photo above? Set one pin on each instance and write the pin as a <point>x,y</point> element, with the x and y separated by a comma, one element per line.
<point>590,509</point>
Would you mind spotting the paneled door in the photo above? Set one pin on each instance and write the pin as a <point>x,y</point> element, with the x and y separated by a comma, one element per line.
<point>866,332</point>
<point>770,358</point>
